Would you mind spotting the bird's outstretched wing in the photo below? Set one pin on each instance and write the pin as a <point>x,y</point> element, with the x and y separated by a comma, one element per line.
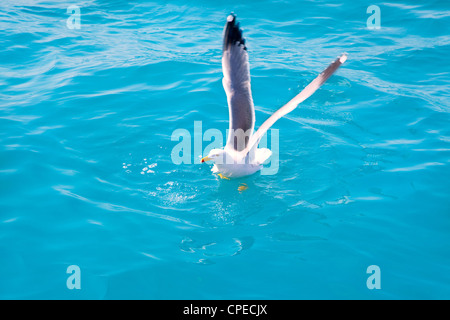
<point>291,105</point>
<point>236,82</point>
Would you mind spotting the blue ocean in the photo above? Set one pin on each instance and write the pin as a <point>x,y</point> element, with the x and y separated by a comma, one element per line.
<point>93,206</point>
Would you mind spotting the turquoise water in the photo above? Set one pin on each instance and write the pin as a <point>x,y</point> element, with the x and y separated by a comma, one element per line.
<point>87,179</point>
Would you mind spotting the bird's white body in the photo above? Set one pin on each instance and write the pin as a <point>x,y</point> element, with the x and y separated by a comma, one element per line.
<point>232,164</point>
<point>236,171</point>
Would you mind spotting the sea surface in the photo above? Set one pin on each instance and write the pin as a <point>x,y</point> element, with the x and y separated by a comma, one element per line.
<point>89,105</point>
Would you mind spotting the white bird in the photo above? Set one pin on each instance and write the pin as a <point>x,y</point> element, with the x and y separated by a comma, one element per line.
<point>241,155</point>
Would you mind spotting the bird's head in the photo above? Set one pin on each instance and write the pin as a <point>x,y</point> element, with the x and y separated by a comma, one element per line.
<point>216,155</point>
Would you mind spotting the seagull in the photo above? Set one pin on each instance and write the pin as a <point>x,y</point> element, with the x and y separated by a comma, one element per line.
<point>241,155</point>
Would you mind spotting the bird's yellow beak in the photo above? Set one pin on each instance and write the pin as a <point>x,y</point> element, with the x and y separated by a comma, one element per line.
<point>205,159</point>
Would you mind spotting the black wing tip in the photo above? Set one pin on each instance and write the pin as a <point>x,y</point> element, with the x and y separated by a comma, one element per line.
<point>231,18</point>
<point>232,34</point>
